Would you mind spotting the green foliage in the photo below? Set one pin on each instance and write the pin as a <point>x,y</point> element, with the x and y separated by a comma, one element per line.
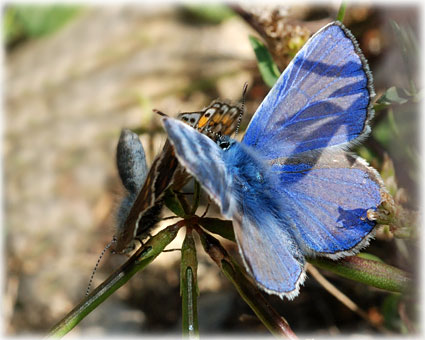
<point>394,130</point>
<point>219,227</point>
<point>268,69</point>
<point>174,204</point>
<point>341,11</point>
<point>371,272</point>
<point>34,21</point>
<point>212,13</point>
<point>389,310</point>
<point>368,256</point>
<point>386,130</point>
<point>189,287</point>
<point>392,96</point>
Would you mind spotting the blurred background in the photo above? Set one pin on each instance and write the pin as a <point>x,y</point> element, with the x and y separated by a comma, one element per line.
<point>74,76</point>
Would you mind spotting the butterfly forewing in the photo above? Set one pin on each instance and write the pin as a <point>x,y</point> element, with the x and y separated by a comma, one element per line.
<point>322,99</point>
<point>203,159</point>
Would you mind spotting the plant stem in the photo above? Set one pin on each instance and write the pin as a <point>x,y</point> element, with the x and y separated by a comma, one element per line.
<point>341,11</point>
<point>275,323</point>
<point>189,287</point>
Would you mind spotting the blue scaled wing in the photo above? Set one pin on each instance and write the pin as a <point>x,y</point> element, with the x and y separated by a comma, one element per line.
<point>203,159</point>
<point>321,99</point>
<point>269,252</point>
<point>327,199</point>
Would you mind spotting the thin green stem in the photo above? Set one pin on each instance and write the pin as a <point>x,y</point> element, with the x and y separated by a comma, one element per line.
<point>188,287</point>
<point>275,323</point>
<point>341,12</point>
<point>268,69</point>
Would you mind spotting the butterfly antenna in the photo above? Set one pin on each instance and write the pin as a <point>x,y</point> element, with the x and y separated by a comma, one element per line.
<point>215,134</point>
<point>245,88</point>
<point>97,264</point>
<point>160,113</point>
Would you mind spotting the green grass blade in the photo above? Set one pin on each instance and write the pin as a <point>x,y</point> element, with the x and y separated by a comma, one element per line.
<point>174,203</point>
<point>220,227</point>
<point>341,12</point>
<point>367,271</point>
<point>268,69</point>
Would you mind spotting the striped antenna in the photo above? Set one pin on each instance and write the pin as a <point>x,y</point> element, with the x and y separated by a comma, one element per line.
<point>97,264</point>
<point>162,114</point>
<point>215,134</point>
<point>245,88</point>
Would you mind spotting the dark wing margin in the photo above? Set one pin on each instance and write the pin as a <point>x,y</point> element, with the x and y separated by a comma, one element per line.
<point>322,99</point>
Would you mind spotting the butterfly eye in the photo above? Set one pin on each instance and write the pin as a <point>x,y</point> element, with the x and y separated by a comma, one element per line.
<point>224,142</point>
<point>224,145</point>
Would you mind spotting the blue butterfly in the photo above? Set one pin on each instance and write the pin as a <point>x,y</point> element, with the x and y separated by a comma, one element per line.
<point>290,187</point>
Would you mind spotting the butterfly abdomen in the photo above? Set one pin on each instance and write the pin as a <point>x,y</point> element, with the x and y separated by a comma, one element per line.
<point>131,161</point>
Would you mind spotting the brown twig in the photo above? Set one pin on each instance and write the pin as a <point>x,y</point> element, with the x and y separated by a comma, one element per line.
<point>344,299</point>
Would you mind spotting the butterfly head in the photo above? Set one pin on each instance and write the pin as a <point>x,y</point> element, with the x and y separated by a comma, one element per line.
<point>225,142</point>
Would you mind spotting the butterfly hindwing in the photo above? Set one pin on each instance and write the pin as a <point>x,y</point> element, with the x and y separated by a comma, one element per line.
<point>218,117</point>
<point>133,170</point>
<point>327,197</point>
<point>269,252</point>
<point>322,98</point>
